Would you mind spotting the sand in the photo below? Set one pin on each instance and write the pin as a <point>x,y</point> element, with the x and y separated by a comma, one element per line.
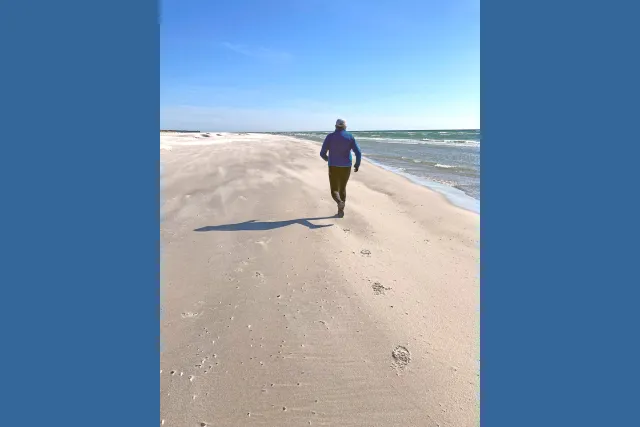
<point>276,313</point>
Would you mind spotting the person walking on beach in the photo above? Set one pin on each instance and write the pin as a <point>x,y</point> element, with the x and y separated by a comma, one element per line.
<point>339,144</point>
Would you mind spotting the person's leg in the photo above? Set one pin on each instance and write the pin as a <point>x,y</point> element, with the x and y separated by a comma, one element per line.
<point>344,178</point>
<point>334,183</point>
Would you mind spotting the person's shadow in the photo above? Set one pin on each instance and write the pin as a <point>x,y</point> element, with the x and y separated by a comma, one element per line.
<point>254,225</point>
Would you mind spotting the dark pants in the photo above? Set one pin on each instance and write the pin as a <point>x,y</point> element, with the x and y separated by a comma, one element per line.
<point>338,178</point>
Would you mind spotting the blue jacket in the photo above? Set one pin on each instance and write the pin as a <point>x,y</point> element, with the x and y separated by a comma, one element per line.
<point>339,144</point>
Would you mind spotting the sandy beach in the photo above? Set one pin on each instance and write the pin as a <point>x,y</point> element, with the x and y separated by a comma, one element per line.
<point>276,313</point>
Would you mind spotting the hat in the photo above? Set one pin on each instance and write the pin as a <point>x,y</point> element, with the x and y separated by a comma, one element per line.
<point>341,123</point>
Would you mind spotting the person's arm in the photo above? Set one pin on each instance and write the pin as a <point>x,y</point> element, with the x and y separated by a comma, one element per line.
<point>325,148</point>
<point>356,149</point>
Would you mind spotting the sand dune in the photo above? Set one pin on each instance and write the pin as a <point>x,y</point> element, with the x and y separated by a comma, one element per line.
<point>275,313</point>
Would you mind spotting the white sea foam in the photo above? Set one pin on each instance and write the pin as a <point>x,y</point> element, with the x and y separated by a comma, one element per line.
<point>455,142</point>
<point>438,165</point>
<point>428,141</point>
<point>397,141</point>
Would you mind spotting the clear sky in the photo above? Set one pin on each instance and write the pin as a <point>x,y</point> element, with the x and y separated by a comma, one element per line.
<point>285,65</point>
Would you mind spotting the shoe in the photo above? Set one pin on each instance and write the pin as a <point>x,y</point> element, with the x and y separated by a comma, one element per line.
<point>340,213</point>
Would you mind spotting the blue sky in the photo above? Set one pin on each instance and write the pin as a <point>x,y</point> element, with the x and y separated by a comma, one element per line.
<point>300,64</point>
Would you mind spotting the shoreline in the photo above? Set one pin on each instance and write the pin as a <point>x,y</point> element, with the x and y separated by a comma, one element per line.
<point>453,195</point>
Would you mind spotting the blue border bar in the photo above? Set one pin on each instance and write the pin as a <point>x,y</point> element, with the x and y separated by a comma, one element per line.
<point>559,223</point>
<point>79,102</point>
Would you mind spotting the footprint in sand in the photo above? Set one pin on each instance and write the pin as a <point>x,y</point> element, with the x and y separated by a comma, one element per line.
<point>401,357</point>
<point>188,315</point>
<point>365,252</point>
<point>378,289</point>
<point>263,243</point>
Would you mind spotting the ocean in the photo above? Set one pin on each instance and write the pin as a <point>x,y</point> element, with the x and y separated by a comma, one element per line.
<point>447,161</point>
